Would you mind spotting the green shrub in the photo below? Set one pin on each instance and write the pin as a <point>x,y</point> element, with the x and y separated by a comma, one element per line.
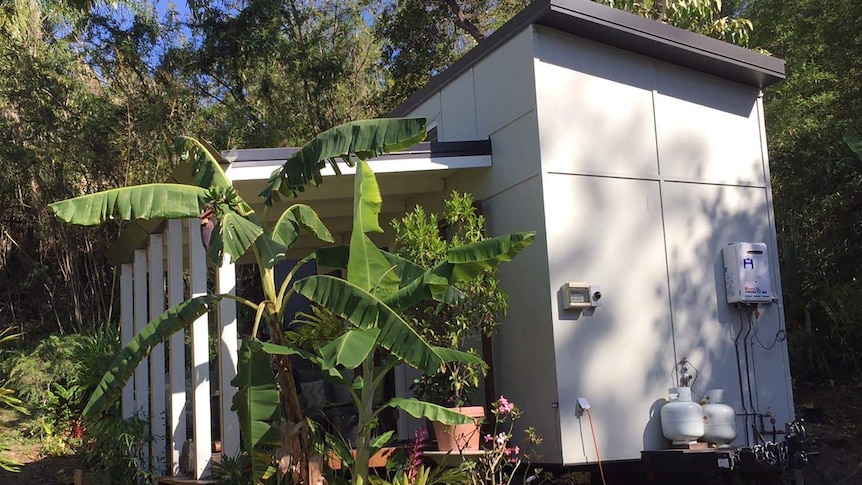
<point>55,379</point>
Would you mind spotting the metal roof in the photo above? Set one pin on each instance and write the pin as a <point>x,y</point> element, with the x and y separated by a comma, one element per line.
<point>622,30</point>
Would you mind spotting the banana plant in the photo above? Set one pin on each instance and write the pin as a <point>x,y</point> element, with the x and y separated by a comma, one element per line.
<point>378,287</point>
<point>236,229</point>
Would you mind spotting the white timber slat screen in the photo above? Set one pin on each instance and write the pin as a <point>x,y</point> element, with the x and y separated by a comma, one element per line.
<point>200,356</point>
<point>176,295</point>
<point>127,330</point>
<point>158,392</point>
<point>142,404</point>
<point>226,281</point>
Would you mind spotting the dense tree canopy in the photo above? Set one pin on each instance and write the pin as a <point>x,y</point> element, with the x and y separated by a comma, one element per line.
<point>91,93</point>
<point>816,178</point>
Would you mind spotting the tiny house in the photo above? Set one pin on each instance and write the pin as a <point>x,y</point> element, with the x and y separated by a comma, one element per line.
<point>637,152</point>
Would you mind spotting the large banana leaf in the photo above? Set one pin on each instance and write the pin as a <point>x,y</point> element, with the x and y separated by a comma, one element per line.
<point>157,331</point>
<point>235,234</point>
<point>206,166</point>
<point>367,268</point>
<point>338,256</point>
<point>434,412</point>
<point>297,216</point>
<point>257,406</point>
<point>365,139</point>
<point>470,260</point>
<point>854,142</point>
<point>366,311</point>
<point>463,263</point>
<point>151,201</point>
<point>416,283</point>
<point>351,348</point>
<point>275,349</point>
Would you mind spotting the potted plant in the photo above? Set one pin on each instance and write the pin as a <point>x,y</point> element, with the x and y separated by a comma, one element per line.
<point>426,239</point>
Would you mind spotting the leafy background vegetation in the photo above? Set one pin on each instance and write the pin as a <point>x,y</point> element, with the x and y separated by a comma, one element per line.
<point>92,93</point>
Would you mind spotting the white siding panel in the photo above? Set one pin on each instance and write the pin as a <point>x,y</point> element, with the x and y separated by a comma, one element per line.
<point>608,232</point>
<point>515,150</point>
<point>595,108</point>
<point>707,128</point>
<point>507,88</point>
<point>701,220</point>
<point>459,109</point>
<point>430,110</point>
<point>524,369</point>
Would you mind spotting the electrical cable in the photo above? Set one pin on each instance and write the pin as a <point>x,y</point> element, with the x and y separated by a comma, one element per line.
<point>748,367</point>
<point>780,336</point>
<point>739,374</point>
<point>596,444</point>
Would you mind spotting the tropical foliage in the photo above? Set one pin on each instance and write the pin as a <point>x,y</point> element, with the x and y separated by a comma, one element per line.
<point>426,239</point>
<point>236,230</point>
<point>816,178</point>
<point>54,379</point>
<point>8,400</point>
<point>377,286</point>
<point>712,18</point>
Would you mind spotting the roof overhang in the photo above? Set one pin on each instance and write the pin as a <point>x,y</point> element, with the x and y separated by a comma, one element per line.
<point>623,30</point>
<point>405,175</point>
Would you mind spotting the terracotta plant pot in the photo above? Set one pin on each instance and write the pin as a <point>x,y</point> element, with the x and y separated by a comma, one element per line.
<point>458,438</point>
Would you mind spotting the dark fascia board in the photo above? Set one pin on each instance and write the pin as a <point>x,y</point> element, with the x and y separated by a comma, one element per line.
<point>625,31</point>
<point>439,149</point>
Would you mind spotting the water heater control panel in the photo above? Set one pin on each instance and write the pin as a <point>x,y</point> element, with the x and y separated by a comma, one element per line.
<point>746,273</point>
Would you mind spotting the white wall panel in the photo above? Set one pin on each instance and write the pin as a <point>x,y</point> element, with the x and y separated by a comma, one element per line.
<point>595,107</point>
<point>608,231</point>
<point>707,128</point>
<point>701,220</point>
<point>430,110</point>
<point>458,100</point>
<point>524,369</point>
<point>515,150</point>
<point>505,81</point>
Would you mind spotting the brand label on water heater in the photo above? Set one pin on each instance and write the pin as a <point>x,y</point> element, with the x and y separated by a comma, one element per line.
<point>746,273</point>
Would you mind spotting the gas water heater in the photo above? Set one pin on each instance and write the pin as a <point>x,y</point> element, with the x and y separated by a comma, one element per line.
<point>746,273</point>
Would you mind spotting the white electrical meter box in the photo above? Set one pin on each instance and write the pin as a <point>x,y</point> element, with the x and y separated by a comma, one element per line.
<point>580,295</point>
<point>746,273</point>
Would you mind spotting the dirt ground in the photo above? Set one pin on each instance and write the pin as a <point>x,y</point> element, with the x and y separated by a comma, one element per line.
<point>839,458</point>
<point>37,469</point>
